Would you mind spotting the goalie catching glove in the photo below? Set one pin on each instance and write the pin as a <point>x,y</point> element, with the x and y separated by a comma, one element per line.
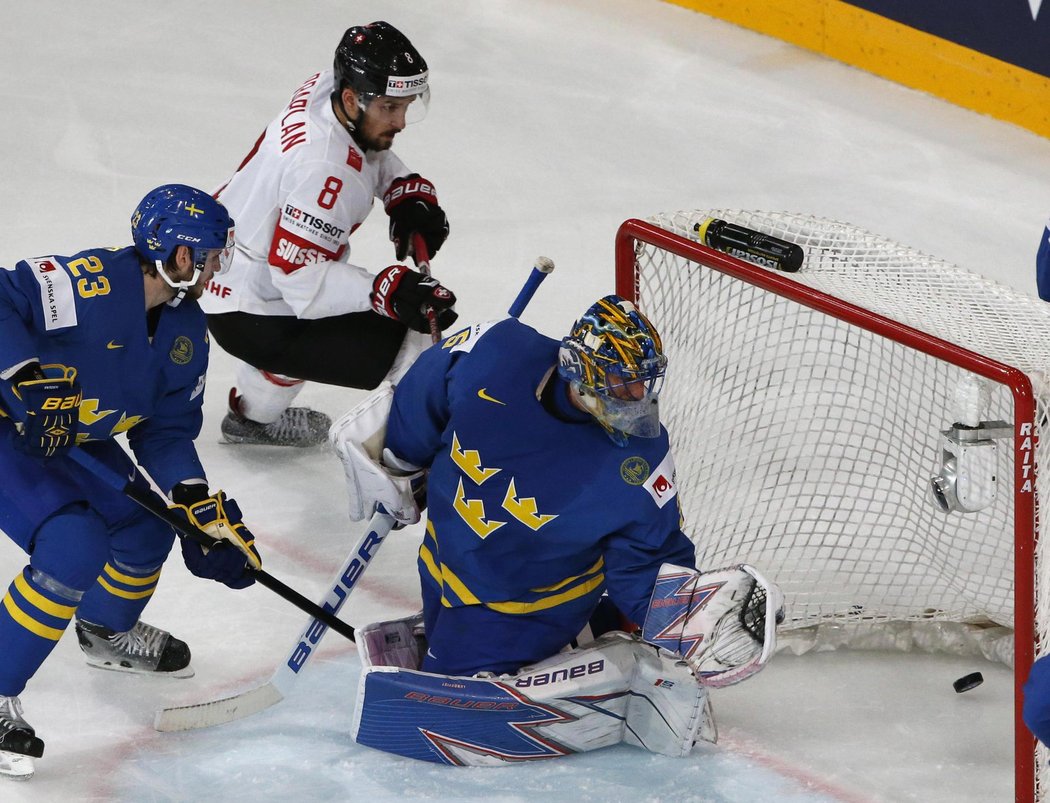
<point>722,622</point>
<point>220,517</point>
<point>375,476</point>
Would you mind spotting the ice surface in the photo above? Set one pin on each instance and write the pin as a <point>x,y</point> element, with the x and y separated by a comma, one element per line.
<point>551,122</point>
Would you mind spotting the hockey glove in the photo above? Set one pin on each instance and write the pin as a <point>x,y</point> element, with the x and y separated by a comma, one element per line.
<point>226,562</point>
<point>405,295</point>
<point>413,208</point>
<point>50,395</point>
<point>722,622</point>
<point>376,477</point>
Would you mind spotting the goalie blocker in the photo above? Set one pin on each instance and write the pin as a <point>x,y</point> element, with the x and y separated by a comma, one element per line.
<point>721,626</point>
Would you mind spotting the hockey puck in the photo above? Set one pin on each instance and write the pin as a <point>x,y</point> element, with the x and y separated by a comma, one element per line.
<point>967,682</point>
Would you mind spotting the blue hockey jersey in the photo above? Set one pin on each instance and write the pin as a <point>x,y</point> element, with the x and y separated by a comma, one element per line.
<point>88,311</point>
<point>527,512</point>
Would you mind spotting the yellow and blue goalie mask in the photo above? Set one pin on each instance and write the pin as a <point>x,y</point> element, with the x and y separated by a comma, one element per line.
<point>613,358</point>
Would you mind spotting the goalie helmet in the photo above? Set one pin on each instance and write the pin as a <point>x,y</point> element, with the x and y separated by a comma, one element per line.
<point>613,359</point>
<point>174,214</point>
<point>378,60</point>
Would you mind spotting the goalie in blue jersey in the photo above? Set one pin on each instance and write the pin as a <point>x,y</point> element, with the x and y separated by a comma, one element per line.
<point>550,492</point>
<point>104,342</point>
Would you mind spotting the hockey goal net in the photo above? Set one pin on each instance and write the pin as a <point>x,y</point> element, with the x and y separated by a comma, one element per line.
<point>811,412</point>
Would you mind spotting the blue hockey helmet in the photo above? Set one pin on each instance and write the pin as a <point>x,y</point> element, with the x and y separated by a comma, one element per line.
<point>174,214</point>
<point>614,361</point>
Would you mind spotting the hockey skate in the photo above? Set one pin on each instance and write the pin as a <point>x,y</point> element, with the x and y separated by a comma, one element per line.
<point>144,649</point>
<point>19,744</point>
<point>297,426</point>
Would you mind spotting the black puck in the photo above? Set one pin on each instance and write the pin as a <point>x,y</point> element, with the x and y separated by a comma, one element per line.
<point>967,682</point>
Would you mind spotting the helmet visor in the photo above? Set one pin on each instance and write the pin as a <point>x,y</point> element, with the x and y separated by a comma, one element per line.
<point>628,398</point>
<point>226,254</point>
<point>397,110</point>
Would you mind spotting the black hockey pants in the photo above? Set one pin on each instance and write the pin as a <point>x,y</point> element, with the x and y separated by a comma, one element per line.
<point>354,350</point>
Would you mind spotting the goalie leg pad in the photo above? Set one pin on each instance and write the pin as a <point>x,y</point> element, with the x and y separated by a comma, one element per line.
<point>669,708</point>
<point>616,689</point>
<point>358,438</point>
<point>722,622</point>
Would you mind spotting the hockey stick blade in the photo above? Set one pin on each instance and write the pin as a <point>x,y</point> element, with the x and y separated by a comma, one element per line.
<point>218,712</point>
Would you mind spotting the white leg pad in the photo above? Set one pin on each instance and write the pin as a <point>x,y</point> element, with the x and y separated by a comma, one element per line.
<point>669,709</point>
<point>618,689</point>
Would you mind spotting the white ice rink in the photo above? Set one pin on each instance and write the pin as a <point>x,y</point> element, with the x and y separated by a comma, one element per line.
<point>551,122</point>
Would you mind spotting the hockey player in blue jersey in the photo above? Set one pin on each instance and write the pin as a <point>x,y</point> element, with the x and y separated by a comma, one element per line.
<point>103,342</point>
<point>549,482</point>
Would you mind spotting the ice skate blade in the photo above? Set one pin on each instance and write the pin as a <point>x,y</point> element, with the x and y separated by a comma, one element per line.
<point>185,672</point>
<point>15,766</point>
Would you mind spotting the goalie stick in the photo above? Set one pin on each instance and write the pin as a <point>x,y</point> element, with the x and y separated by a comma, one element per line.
<point>540,269</point>
<point>238,706</point>
<point>228,709</point>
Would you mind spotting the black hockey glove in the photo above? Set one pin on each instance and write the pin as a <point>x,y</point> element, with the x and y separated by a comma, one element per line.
<point>220,517</point>
<point>50,396</point>
<point>403,294</point>
<point>413,208</point>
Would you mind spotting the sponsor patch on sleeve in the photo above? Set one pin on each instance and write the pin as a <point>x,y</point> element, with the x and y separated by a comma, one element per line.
<point>56,293</point>
<point>289,251</point>
<point>312,225</point>
<point>661,484</point>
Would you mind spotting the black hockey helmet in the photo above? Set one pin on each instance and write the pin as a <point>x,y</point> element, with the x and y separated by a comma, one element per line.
<point>377,59</point>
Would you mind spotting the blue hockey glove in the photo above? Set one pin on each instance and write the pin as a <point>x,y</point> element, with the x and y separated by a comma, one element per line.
<point>51,397</point>
<point>227,562</point>
<point>412,205</point>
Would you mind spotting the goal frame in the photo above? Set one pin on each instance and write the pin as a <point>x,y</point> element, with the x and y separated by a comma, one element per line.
<point>632,232</point>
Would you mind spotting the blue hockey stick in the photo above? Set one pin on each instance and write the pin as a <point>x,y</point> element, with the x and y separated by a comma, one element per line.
<point>540,270</point>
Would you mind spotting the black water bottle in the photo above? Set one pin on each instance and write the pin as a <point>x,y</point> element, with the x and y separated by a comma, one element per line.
<point>749,245</point>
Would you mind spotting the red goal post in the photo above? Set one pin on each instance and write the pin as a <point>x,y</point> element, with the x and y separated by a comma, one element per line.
<point>810,412</point>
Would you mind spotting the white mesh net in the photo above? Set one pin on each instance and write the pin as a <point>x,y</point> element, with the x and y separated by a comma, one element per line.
<point>805,444</point>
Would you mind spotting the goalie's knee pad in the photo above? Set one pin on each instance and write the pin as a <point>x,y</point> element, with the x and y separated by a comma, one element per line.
<point>617,689</point>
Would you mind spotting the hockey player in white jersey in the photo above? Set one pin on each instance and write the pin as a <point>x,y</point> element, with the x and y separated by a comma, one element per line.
<point>292,308</point>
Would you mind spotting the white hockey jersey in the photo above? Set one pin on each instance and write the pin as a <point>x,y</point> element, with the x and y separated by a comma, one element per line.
<point>296,198</point>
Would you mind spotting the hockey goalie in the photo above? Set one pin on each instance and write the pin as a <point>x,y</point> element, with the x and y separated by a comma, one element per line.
<point>550,494</point>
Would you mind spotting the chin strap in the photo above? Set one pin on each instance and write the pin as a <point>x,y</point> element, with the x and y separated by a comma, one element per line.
<point>180,288</point>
